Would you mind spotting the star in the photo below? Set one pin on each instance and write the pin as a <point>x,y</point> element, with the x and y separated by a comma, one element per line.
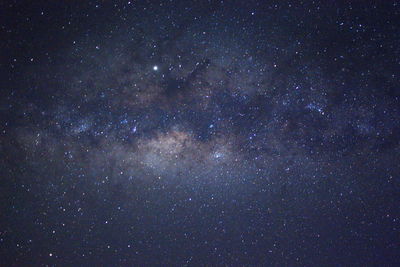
<point>199,134</point>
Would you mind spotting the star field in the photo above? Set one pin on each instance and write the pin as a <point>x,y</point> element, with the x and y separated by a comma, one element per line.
<point>192,133</point>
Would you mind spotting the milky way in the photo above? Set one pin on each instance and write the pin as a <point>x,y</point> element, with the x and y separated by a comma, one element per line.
<point>204,133</point>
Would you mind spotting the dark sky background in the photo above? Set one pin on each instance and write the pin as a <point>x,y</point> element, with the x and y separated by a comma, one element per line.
<point>192,133</point>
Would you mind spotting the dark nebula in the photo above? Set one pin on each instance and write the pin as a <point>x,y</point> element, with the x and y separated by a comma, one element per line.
<point>200,133</point>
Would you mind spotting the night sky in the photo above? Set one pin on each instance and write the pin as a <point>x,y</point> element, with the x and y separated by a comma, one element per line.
<point>193,133</point>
